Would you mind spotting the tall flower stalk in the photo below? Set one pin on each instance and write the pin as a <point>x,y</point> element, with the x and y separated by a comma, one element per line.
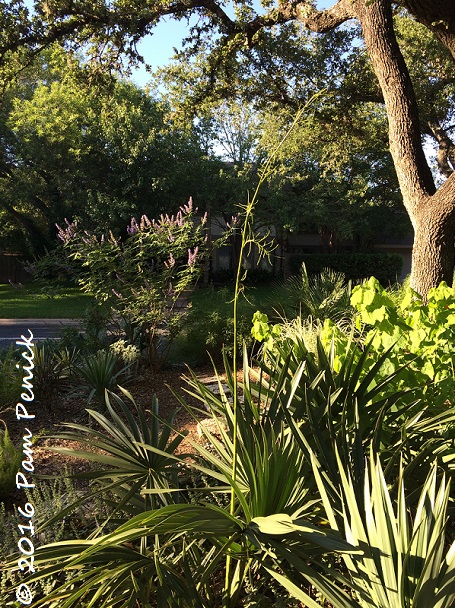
<point>249,239</point>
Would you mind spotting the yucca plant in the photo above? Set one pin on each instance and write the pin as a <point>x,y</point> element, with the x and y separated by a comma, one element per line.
<point>100,372</point>
<point>402,559</point>
<point>67,359</point>
<point>405,562</point>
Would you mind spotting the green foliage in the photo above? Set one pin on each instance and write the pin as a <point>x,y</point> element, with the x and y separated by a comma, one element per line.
<point>136,455</point>
<point>100,372</point>
<point>355,266</point>
<point>208,329</point>
<point>10,378</point>
<point>173,551</point>
<point>136,474</point>
<point>299,440</point>
<point>48,498</point>
<point>50,373</point>
<point>321,296</point>
<point>99,152</point>
<point>418,336</point>
<point>10,460</point>
<point>143,278</point>
<point>402,560</point>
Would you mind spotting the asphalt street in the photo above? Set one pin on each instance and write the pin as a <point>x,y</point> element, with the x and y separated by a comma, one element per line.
<point>11,330</point>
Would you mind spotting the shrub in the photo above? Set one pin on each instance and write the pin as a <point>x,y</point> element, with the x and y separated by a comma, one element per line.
<point>320,296</point>
<point>10,378</point>
<point>142,278</point>
<point>208,330</point>
<point>419,337</point>
<point>10,461</point>
<point>355,266</point>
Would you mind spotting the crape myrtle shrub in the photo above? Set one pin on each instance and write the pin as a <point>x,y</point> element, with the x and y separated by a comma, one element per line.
<point>386,267</point>
<point>142,278</point>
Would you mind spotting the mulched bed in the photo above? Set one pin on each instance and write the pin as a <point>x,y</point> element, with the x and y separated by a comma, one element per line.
<point>68,408</point>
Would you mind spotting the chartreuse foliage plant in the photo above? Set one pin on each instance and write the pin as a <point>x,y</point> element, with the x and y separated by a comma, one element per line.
<point>420,336</point>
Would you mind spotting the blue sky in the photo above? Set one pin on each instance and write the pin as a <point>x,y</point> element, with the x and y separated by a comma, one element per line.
<point>168,34</point>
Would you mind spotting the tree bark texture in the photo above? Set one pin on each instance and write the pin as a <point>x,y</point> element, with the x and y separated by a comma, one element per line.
<point>432,212</point>
<point>433,254</point>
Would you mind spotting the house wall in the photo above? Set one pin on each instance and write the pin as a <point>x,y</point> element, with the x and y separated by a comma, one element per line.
<point>301,243</point>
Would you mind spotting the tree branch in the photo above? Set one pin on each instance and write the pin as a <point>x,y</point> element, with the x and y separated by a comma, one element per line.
<point>68,22</point>
<point>438,16</point>
<point>446,148</point>
<point>414,175</point>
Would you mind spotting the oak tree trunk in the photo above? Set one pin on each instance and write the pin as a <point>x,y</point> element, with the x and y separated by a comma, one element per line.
<point>432,212</point>
<point>433,254</point>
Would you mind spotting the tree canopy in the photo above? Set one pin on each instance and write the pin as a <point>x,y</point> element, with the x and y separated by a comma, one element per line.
<point>246,47</point>
<point>69,149</point>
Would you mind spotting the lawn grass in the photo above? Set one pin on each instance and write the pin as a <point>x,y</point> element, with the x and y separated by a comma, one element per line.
<point>266,297</point>
<point>38,301</point>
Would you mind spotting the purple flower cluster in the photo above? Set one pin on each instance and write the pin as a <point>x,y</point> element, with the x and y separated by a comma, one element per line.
<point>66,234</point>
<point>192,257</point>
<point>133,228</point>
<point>171,262</point>
<point>235,219</point>
<point>189,207</point>
<point>145,222</point>
<point>165,221</point>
